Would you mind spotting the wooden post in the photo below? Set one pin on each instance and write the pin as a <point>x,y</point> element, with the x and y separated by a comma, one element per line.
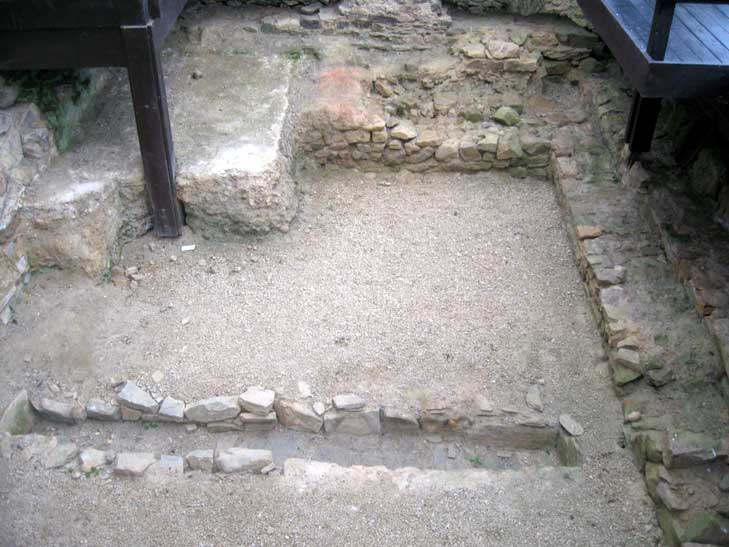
<point>153,126</point>
<point>642,123</point>
<point>660,28</point>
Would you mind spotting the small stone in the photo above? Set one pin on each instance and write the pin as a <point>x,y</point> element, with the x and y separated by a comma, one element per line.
<point>404,131</point>
<point>534,399</point>
<point>130,415</point>
<point>434,439</point>
<point>624,375</point>
<point>201,460</point>
<point>628,358</point>
<point>447,150</point>
<point>214,409</point>
<point>304,390</point>
<point>191,428</point>
<point>310,9</point>
<point>58,411</point>
<point>157,376</point>
<point>363,422</point>
<point>91,458</point>
<point>18,416</point>
<point>132,396</point>
<point>507,116</point>
<point>257,401</point>
<point>384,88</point>
<point>587,232</point>
<point>197,74</point>
<point>96,409</point>
<point>187,248</point>
<point>633,416</point>
<point>349,401</point>
<point>571,425</point>
<point>172,410</point>
<point>395,420</point>
<point>186,321</point>
<point>270,468</point>
<point>498,49</point>
<point>298,416</point>
<point>133,464</point>
<point>60,455</point>
<point>489,143</point>
<point>320,408</point>
<point>473,51</point>
<point>238,459</point>
<point>257,422</point>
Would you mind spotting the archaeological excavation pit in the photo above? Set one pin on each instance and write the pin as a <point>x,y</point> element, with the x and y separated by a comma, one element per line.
<point>422,286</point>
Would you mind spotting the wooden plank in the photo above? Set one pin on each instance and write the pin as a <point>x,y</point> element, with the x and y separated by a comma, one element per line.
<point>713,25</point>
<point>693,50</point>
<point>702,32</point>
<point>53,14</point>
<point>57,49</point>
<point>636,20</point>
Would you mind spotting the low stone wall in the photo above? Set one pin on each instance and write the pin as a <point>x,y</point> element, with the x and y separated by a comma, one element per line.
<point>563,8</point>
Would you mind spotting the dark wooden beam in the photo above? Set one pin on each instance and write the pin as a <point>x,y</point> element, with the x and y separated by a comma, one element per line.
<point>660,29</point>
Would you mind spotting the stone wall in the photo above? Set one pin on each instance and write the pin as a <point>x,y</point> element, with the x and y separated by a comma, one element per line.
<point>563,8</point>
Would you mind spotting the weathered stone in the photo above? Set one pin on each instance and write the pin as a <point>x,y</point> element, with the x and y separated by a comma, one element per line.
<point>98,409</point>
<point>238,459</point>
<point>130,415</point>
<point>498,49</point>
<point>706,528</point>
<point>587,232</point>
<point>283,23</point>
<point>214,409</point>
<point>364,422</point>
<point>473,51</point>
<point>319,408</point>
<point>132,396</point>
<point>429,137</point>
<point>447,150</point>
<point>623,375</point>
<point>489,143</point>
<point>686,448</point>
<point>133,464</point>
<point>484,406</point>
<point>534,399</point>
<point>633,417</point>
<point>569,452</point>
<point>298,416</point>
<point>660,377</point>
<point>59,411</point>
<point>533,144</point>
<point>17,419</point>
<point>670,497</point>
<point>571,425</point>
<point>348,401</point>
<point>468,150</point>
<point>648,446</point>
<point>60,455</point>
<point>629,359</point>
<point>223,427</point>
<point>201,460</point>
<point>509,147</point>
<point>256,422</point>
<point>258,401</point>
<point>404,131</point>
<point>172,410</point>
<point>607,277</point>
<point>91,458</point>
<point>399,421</point>
<point>507,116</point>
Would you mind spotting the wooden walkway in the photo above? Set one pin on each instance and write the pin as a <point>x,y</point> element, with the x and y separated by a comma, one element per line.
<point>668,49</point>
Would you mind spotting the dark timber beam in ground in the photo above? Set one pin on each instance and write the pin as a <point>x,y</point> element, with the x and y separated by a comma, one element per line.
<point>668,49</point>
<point>54,34</point>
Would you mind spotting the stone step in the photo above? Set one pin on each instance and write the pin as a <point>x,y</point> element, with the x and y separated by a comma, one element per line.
<point>228,108</point>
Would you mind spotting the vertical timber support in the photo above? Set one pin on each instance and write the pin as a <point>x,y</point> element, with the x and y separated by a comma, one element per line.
<point>660,29</point>
<point>642,123</point>
<point>153,126</point>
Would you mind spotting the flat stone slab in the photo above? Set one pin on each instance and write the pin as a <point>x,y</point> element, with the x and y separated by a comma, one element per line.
<point>167,467</point>
<point>300,416</point>
<point>136,398</point>
<point>257,401</point>
<point>60,411</point>
<point>364,422</point>
<point>98,409</point>
<point>92,458</point>
<point>60,455</point>
<point>348,401</point>
<point>133,464</point>
<point>214,409</point>
<point>238,459</point>
<point>172,410</point>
